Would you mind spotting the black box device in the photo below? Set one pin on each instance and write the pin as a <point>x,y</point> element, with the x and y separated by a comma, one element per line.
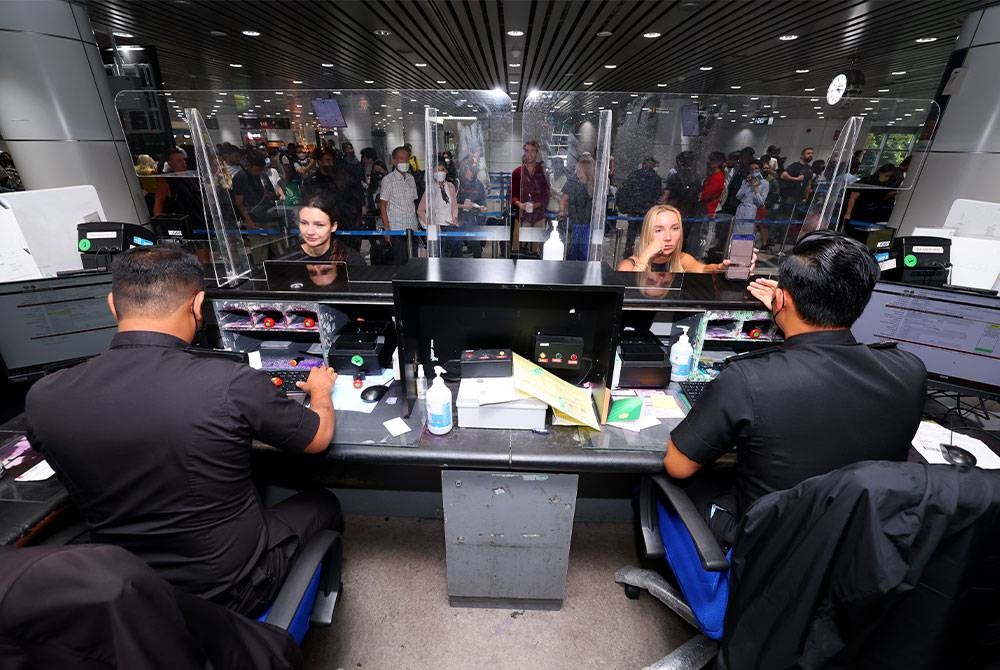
<point>480,363</point>
<point>645,362</point>
<point>363,346</point>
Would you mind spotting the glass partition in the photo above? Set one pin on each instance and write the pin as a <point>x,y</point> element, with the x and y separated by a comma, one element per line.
<point>284,149</point>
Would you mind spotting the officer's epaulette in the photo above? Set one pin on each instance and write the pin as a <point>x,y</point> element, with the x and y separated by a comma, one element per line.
<point>238,356</point>
<point>884,345</point>
<point>756,353</point>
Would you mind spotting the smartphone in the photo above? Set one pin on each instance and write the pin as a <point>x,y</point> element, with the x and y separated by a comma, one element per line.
<point>740,255</point>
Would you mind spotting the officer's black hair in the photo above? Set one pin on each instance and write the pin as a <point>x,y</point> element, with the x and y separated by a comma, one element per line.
<point>154,281</point>
<point>830,278</point>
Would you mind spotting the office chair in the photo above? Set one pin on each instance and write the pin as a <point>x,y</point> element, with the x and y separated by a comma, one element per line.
<point>875,565</point>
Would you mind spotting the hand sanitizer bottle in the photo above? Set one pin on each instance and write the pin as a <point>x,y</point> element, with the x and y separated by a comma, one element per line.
<point>421,382</point>
<point>553,249</point>
<point>680,357</point>
<point>438,405</point>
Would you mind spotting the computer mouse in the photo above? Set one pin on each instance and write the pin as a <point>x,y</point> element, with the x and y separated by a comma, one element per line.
<point>958,456</point>
<point>374,393</point>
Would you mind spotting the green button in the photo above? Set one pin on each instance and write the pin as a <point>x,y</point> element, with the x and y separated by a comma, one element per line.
<point>84,244</point>
<point>909,260</point>
<point>357,360</point>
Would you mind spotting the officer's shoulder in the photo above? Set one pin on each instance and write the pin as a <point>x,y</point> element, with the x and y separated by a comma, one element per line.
<point>217,354</point>
<point>753,355</point>
<point>889,344</point>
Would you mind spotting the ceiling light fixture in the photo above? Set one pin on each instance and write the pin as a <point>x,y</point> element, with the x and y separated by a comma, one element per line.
<point>369,81</point>
<point>441,81</point>
<point>514,65</point>
<point>296,81</point>
<point>925,40</point>
<point>382,32</point>
<point>251,33</point>
<point>736,87</point>
<point>809,90</point>
<point>326,64</point>
<point>216,33</point>
<point>705,68</point>
<point>421,64</point>
<point>588,83</point>
<point>883,90</point>
<point>235,65</point>
<point>609,66</point>
<point>651,36</point>
<point>662,85</point>
<point>516,33</point>
<point>802,71</point>
<point>898,73</point>
<point>605,33</point>
<point>120,34</point>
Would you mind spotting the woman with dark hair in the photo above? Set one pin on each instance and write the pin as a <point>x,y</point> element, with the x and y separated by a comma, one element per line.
<point>317,223</point>
<point>471,204</point>
<point>445,209</point>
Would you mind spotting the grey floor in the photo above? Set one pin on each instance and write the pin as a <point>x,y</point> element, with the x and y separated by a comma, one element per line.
<point>395,613</point>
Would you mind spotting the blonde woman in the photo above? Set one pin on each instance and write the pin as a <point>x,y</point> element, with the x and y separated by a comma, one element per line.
<point>660,246</point>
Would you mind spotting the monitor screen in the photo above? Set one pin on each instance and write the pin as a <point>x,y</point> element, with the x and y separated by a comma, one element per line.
<point>328,113</point>
<point>53,323</point>
<point>956,335</point>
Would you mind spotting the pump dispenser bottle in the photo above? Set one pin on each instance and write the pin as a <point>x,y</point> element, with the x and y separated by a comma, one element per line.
<point>438,405</point>
<point>421,382</point>
<point>680,357</point>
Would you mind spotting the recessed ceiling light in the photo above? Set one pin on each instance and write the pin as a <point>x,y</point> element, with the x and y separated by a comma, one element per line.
<point>919,109</point>
<point>705,68</point>
<point>369,81</point>
<point>381,32</point>
<point>223,93</point>
<point>736,87</point>
<point>813,99</point>
<point>130,47</point>
<point>588,83</point>
<point>171,100</point>
<point>251,33</point>
<point>218,101</point>
<point>267,100</point>
<point>732,110</point>
<point>817,108</point>
<point>605,33</point>
<point>235,65</point>
<point>119,34</point>
<point>802,71</point>
<point>421,64</point>
<point>883,90</point>
<point>216,33</point>
<point>898,73</point>
<point>783,116</point>
<point>514,65</point>
<point>296,81</point>
<point>694,97</point>
<point>809,90</point>
<point>788,38</point>
<point>326,64</point>
<point>441,81</point>
<point>516,33</point>
<point>634,95</point>
<point>755,98</point>
<point>868,109</point>
<point>651,36</point>
<point>766,106</point>
<point>454,92</point>
<point>662,85</point>
<point>287,110</point>
<point>609,66</point>
<point>907,114</point>
<point>925,40</point>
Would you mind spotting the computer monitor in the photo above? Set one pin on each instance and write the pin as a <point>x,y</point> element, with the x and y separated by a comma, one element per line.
<point>49,324</point>
<point>955,334</point>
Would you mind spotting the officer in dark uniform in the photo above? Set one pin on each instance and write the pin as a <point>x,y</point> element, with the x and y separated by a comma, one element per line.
<point>816,403</point>
<point>152,441</point>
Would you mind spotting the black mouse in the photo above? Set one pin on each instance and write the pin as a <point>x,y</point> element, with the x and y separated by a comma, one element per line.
<point>958,456</point>
<point>374,393</point>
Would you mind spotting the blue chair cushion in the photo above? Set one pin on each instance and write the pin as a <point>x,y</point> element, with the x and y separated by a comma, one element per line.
<point>707,593</point>
<point>303,613</point>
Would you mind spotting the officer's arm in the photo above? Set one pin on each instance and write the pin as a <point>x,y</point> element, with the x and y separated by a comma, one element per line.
<point>322,405</point>
<point>677,464</point>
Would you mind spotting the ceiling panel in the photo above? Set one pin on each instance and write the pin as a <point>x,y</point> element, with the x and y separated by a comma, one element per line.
<point>465,43</point>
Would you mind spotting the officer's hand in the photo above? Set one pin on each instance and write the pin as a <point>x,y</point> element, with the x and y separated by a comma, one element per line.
<point>320,381</point>
<point>763,290</point>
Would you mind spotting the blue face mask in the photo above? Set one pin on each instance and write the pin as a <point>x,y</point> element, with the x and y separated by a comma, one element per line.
<point>755,174</point>
<point>267,162</point>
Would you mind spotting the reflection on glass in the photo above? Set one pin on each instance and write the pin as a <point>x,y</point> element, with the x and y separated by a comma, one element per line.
<point>323,274</point>
<point>656,284</point>
<point>661,239</point>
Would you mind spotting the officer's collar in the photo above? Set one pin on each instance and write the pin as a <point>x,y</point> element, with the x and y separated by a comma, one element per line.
<point>147,338</point>
<point>821,337</point>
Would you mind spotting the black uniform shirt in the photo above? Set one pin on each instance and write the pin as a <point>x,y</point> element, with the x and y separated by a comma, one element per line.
<point>153,444</point>
<point>811,406</point>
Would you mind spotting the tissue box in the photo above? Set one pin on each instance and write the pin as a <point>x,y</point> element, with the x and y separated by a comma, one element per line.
<point>474,410</point>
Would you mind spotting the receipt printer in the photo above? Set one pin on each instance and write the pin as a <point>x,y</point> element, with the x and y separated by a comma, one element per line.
<point>645,363</point>
<point>363,346</point>
<point>99,241</point>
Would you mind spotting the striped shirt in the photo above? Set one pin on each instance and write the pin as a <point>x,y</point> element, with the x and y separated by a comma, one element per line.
<point>400,192</point>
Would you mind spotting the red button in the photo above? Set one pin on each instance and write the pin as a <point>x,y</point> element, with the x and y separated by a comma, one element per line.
<point>572,357</point>
<point>268,322</point>
<point>309,323</point>
<point>277,381</point>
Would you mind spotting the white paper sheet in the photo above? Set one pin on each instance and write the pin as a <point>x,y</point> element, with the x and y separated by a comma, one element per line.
<point>37,473</point>
<point>396,427</point>
<point>16,262</point>
<point>645,420</point>
<point>346,398</point>
<point>931,435</point>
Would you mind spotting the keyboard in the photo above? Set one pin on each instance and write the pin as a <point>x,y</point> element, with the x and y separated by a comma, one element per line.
<point>285,379</point>
<point>693,390</point>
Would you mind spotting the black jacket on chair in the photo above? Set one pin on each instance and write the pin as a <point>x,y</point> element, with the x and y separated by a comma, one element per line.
<point>876,565</point>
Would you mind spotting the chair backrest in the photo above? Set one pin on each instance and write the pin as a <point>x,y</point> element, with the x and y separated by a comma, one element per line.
<point>866,564</point>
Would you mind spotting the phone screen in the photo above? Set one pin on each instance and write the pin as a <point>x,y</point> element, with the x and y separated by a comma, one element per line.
<point>740,256</point>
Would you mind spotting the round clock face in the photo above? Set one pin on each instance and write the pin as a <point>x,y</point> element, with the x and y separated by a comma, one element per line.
<point>836,89</point>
